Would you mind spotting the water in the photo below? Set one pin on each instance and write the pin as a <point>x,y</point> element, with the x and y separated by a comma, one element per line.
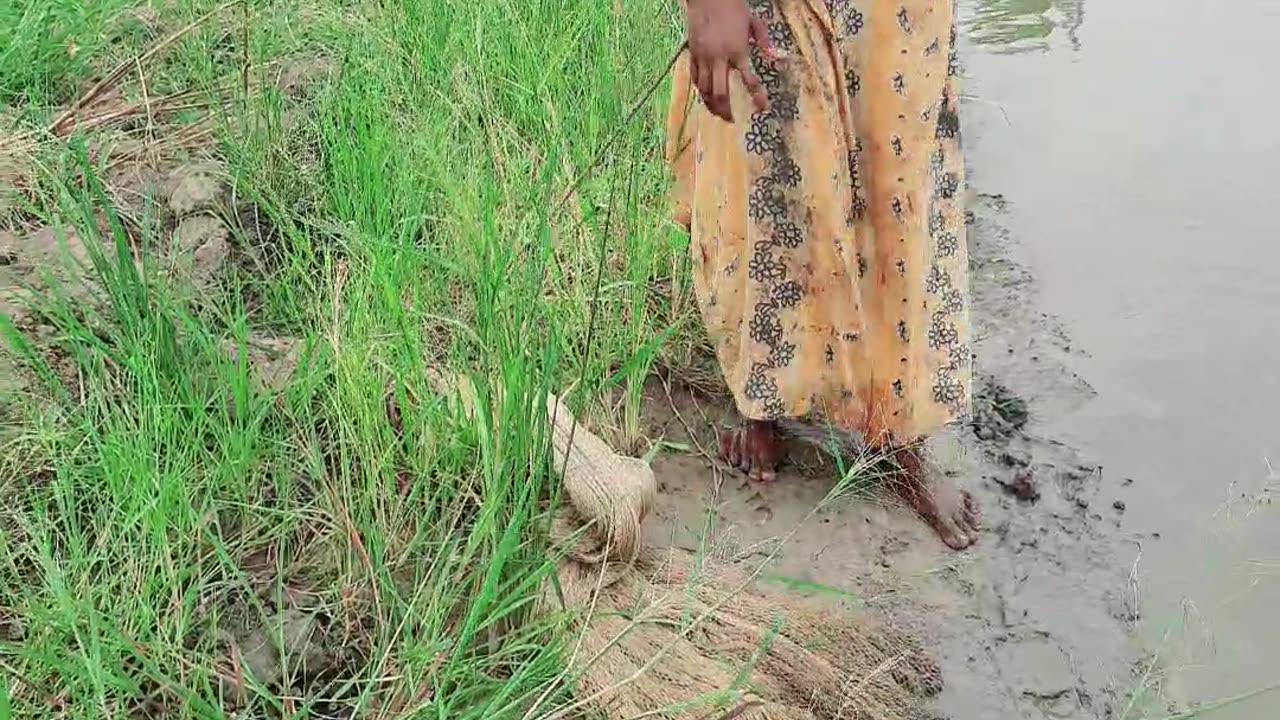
<point>1137,146</point>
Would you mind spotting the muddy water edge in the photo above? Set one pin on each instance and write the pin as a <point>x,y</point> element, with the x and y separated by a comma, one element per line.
<point>1136,148</point>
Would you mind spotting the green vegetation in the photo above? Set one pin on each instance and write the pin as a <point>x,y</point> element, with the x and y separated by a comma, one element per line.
<point>395,175</point>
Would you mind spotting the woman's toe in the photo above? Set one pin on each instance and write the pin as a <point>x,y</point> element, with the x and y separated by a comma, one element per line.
<point>729,448</point>
<point>970,513</point>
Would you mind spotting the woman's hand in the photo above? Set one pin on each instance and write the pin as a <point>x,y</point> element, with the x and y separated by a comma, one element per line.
<point>721,33</point>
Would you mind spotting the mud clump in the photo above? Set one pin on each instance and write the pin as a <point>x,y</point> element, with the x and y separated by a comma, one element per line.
<point>1015,459</point>
<point>37,268</point>
<point>294,650</point>
<point>998,413</point>
<point>299,77</point>
<point>201,249</point>
<point>1022,487</point>
<point>287,642</point>
<point>192,188</point>
<point>48,266</point>
<point>273,360</point>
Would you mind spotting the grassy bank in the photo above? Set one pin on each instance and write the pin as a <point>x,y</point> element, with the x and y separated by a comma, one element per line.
<point>177,536</point>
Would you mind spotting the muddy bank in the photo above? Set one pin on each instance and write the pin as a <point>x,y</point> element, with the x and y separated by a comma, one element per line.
<point>1123,168</point>
<point>1036,620</point>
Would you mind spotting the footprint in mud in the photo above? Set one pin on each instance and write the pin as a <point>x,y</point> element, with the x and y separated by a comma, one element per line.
<point>764,513</point>
<point>758,503</point>
<point>919,673</point>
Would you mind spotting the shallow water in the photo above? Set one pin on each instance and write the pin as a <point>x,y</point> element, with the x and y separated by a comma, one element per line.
<point>1135,144</point>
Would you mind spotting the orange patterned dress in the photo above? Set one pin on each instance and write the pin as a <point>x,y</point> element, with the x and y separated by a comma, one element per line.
<point>828,232</point>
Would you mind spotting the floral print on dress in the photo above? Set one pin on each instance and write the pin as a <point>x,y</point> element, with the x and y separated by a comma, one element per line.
<point>852,82</point>
<point>815,238</point>
<point>787,234</point>
<point>904,20</point>
<point>786,172</point>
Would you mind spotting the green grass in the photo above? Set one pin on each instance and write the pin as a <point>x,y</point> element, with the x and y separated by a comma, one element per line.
<point>155,501</point>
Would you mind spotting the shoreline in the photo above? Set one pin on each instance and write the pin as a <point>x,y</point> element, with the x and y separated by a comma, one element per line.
<point>1037,617</point>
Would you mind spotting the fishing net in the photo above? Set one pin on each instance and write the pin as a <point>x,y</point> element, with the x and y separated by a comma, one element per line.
<point>670,634</point>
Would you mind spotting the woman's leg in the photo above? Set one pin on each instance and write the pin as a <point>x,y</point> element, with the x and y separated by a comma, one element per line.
<point>754,448</point>
<point>949,510</point>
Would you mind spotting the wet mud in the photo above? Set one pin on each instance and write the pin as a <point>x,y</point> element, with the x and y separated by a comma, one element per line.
<point>1036,620</point>
<point>1114,213</point>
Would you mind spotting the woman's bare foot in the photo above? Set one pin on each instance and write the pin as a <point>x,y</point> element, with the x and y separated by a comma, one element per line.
<point>949,510</point>
<point>753,448</point>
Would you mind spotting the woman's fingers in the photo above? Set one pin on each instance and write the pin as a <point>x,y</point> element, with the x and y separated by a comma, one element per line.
<point>752,82</point>
<point>701,73</point>
<point>719,100</point>
<point>758,34</point>
<point>714,60</point>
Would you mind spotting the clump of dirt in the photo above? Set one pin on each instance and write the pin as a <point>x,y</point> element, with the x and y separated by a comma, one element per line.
<point>1022,487</point>
<point>47,261</point>
<point>50,262</point>
<point>285,647</point>
<point>997,412</point>
<point>274,359</point>
<point>194,187</point>
<point>201,246</point>
<point>299,77</point>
